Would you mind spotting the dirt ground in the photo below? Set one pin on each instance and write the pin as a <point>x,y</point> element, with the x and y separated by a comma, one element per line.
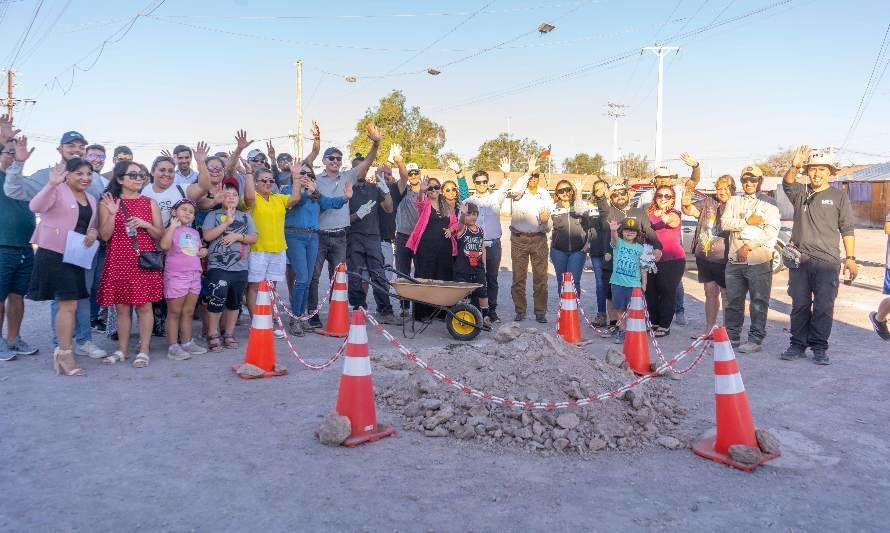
<point>187,446</point>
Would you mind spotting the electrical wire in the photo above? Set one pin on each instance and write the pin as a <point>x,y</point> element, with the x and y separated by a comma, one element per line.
<point>49,29</point>
<point>24,38</point>
<point>869,89</point>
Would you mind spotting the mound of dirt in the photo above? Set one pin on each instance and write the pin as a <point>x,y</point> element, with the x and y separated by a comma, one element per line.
<point>525,364</point>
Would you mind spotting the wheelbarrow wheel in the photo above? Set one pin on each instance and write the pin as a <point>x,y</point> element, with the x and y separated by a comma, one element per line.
<point>465,322</point>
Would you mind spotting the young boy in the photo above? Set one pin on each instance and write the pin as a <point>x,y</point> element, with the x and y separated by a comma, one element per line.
<point>626,269</point>
<point>469,265</point>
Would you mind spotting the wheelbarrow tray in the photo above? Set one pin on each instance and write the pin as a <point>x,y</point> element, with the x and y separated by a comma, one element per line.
<point>433,292</point>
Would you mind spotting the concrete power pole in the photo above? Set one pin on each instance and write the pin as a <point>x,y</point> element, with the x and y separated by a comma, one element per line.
<point>659,51</point>
<point>299,67</point>
<point>10,102</point>
<point>616,111</point>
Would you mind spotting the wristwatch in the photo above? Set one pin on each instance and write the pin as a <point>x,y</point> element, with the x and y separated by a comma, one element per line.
<point>853,257</point>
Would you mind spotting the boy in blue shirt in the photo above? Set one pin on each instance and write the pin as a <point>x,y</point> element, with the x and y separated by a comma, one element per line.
<point>626,269</point>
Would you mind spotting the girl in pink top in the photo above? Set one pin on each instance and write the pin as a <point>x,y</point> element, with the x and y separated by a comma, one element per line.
<point>182,279</point>
<point>661,287</point>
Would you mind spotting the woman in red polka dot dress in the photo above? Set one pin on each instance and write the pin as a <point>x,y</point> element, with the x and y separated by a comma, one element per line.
<point>124,284</point>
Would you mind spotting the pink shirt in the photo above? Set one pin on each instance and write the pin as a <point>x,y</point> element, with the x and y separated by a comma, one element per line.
<point>671,242</point>
<point>183,253</point>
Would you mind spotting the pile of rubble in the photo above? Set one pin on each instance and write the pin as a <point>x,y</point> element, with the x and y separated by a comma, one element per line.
<point>525,364</point>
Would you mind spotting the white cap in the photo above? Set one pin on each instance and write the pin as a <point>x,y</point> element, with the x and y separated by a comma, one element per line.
<point>664,172</point>
<point>822,157</point>
<point>253,153</point>
<point>412,166</point>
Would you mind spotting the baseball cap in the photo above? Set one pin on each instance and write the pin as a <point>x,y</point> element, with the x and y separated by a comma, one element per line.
<point>72,136</point>
<point>284,157</point>
<point>412,167</point>
<point>629,223</point>
<point>822,158</point>
<point>254,153</point>
<point>664,172</point>
<point>332,150</point>
<point>618,187</point>
<point>751,170</point>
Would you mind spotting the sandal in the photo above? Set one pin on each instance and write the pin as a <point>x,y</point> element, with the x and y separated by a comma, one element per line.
<point>230,342</point>
<point>662,332</point>
<point>141,360</point>
<point>117,356</point>
<point>215,344</point>
<point>64,363</point>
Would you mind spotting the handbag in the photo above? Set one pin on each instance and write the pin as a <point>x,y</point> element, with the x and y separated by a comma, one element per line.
<point>152,261</point>
<point>791,256</point>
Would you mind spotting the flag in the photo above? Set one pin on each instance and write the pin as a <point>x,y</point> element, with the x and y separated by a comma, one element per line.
<point>545,152</point>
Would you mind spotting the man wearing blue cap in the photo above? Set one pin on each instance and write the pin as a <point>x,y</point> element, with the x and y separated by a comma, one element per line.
<point>20,187</point>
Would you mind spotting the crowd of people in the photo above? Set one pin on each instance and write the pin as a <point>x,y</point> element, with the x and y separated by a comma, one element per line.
<point>176,244</point>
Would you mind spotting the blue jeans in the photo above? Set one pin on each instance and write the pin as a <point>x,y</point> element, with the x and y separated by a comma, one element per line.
<point>82,332</point>
<point>302,249</point>
<point>680,295</point>
<point>98,263</point>
<point>596,261</point>
<point>572,262</point>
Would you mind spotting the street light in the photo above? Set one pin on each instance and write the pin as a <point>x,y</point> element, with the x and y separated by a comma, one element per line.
<point>546,27</point>
<point>433,71</point>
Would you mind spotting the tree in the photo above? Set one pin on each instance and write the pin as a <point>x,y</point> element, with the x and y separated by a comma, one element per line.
<point>518,151</point>
<point>449,156</point>
<point>420,137</point>
<point>635,168</point>
<point>778,163</point>
<point>584,164</point>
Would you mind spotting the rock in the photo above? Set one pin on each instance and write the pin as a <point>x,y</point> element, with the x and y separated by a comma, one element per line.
<point>560,433</point>
<point>524,433</point>
<point>438,432</point>
<point>478,410</point>
<point>767,442</point>
<point>442,416</point>
<point>537,428</point>
<point>745,454</point>
<point>395,362</point>
<point>671,443</point>
<point>576,393</point>
<point>430,404</point>
<point>597,444</point>
<point>413,409</point>
<point>615,357</point>
<point>478,420</point>
<point>637,401</point>
<point>643,416</point>
<point>507,332</point>
<point>561,444</point>
<point>568,420</point>
<point>334,429</point>
<point>526,419</point>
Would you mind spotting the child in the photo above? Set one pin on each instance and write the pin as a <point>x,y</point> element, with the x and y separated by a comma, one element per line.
<point>469,264</point>
<point>626,269</point>
<point>182,279</point>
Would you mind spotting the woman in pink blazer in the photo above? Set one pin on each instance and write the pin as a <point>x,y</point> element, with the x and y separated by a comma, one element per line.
<point>63,205</point>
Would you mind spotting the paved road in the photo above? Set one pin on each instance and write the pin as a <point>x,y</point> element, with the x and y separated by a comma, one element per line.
<point>187,446</point>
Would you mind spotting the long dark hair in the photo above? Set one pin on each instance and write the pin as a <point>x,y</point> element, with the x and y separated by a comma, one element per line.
<point>654,205</point>
<point>72,165</point>
<point>120,168</point>
<point>574,192</point>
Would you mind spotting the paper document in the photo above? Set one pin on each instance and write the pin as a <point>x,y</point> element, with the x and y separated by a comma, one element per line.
<point>76,253</point>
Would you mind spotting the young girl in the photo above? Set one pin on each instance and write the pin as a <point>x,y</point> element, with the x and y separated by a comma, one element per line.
<point>469,264</point>
<point>182,279</point>
<point>626,269</point>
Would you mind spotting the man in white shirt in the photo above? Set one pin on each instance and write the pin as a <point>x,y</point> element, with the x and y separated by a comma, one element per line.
<point>529,225</point>
<point>184,173</point>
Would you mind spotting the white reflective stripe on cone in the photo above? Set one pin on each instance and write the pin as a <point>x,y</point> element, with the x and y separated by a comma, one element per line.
<point>356,366</point>
<point>264,298</point>
<point>568,287</point>
<point>636,303</point>
<point>569,304</point>
<point>340,277</point>
<point>731,384</point>
<point>723,351</point>
<point>357,335</point>
<point>338,295</point>
<point>636,324</point>
<point>261,322</point>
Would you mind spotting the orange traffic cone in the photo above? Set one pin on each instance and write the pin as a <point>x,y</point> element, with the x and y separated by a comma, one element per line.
<point>636,338</point>
<point>259,358</point>
<point>355,399</point>
<point>734,422</point>
<point>569,325</point>
<point>338,313</point>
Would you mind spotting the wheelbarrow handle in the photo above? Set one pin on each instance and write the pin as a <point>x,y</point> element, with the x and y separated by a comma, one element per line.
<point>402,275</point>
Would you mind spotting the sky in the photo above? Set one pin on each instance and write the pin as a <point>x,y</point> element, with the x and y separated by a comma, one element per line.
<point>199,70</point>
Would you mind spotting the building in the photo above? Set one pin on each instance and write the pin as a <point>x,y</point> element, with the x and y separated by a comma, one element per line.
<point>869,192</point>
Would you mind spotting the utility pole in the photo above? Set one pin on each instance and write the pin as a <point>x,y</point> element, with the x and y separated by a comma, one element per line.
<point>616,111</point>
<point>10,102</point>
<point>509,147</point>
<point>659,51</point>
<point>299,67</point>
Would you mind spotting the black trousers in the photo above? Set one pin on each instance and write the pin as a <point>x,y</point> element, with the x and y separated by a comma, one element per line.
<point>492,266</point>
<point>813,289</point>
<point>404,258</point>
<point>661,291</point>
<point>432,263</point>
<point>363,253</point>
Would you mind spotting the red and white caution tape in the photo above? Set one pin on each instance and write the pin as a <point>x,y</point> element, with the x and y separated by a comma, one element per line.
<point>312,313</point>
<point>307,364</point>
<point>704,342</point>
<point>658,352</point>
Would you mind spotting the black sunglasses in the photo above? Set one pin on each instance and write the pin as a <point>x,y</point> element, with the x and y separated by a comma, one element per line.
<point>750,179</point>
<point>266,180</point>
<point>305,173</point>
<point>135,175</point>
<point>665,196</point>
<point>434,187</point>
<point>564,190</point>
<point>334,158</point>
<point>480,182</point>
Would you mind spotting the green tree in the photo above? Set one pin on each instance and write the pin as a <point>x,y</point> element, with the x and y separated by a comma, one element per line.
<point>517,150</point>
<point>584,164</point>
<point>635,168</point>
<point>450,155</point>
<point>420,137</point>
<point>777,163</point>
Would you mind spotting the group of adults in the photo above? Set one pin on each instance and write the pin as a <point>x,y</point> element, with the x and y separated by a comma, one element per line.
<point>233,222</point>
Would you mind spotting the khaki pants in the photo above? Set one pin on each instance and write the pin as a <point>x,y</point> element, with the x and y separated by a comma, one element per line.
<point>525,247</point>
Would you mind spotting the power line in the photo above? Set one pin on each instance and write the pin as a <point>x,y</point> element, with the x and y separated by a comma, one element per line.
<point>21,42</point>
<point>869,88</point>
<point>49,29</point>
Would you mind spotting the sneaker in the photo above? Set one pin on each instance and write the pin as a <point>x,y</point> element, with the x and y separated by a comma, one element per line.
<point>90,350</point>
<point>608,332</point>
<point>178,353</point>
<point>793,352</point>
<point>749,347</point>
<point>680,319</point>
<point>879,327</point>
<point>5,353</point>
<point>279,333</point>
<point>599,320</point>
<point>98,325</point>
<point>519,317</point>
<point>619,338</point>
<point>735,344</point>
<point>389,318</point>
<point>295,327</point>
<point>486,321</point>
<point>193,348</point>
<point>820,357</point>
<point>541,319</point>
<point>306,326</point>
<point>20,347</point>
<point>493,315</point>
<point>315,322</point>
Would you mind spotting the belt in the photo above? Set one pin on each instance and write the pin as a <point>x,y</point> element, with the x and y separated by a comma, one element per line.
<point>516,232</point>
<point>300,230</point>
<point>333,232</point>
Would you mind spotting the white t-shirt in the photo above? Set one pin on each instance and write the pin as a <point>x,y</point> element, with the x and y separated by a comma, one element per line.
<point>183,180</point>
<point>165,199</point>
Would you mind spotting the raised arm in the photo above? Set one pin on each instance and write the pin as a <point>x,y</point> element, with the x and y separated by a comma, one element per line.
<point>44,200</point>
<point>316,144</point>
<point>249,186</point>
<point>241,143</point>
<point>295,190</point>
<point>17,186</point>
<point>200,188</point>
<point>108,208</point>
<point>797,161</point>
<point>692,181</point>
<point>362,168</point>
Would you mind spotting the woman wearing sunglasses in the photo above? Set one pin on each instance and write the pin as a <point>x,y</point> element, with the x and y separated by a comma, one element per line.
<point>661,287</point>
<point>130,223</point>
<point>568,240</point>
<point>431,241</point>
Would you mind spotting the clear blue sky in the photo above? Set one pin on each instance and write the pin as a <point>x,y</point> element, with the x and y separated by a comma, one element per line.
<point>791,75</point>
